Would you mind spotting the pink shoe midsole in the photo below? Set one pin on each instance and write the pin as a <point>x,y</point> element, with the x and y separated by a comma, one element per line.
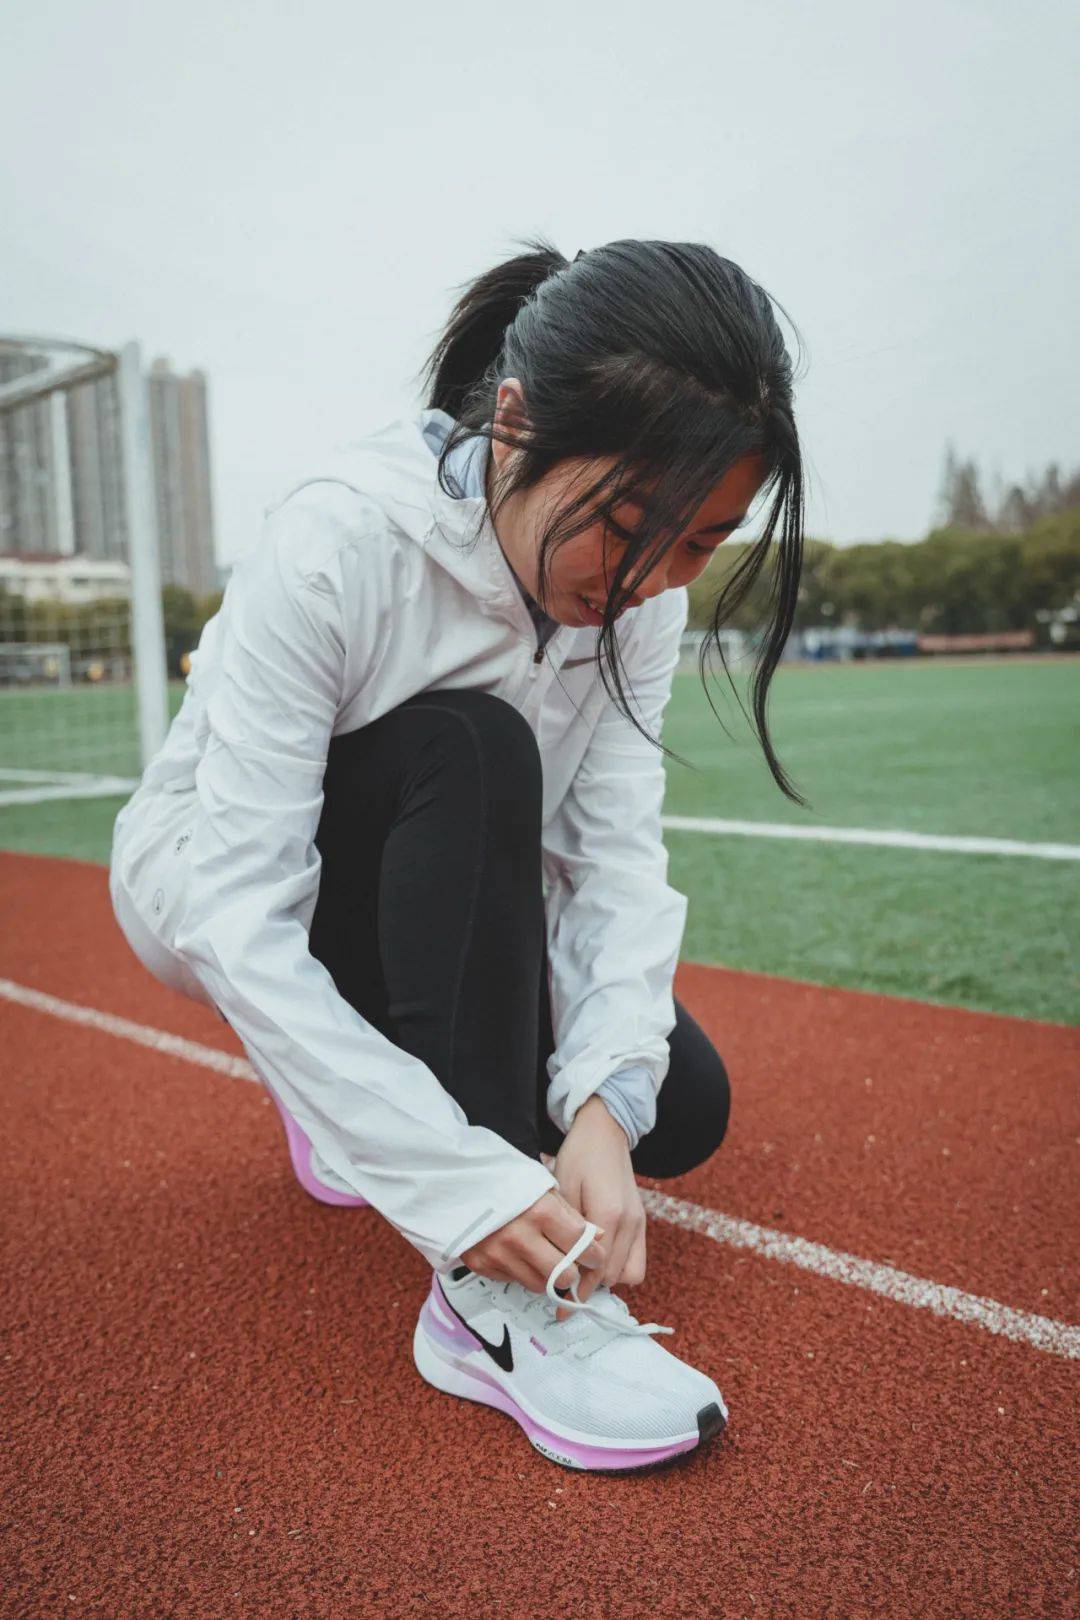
<point>300,1155</point>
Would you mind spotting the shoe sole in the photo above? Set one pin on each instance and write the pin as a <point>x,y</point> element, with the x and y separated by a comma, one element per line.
<point>438,1352</point>
<point>300,1156</point>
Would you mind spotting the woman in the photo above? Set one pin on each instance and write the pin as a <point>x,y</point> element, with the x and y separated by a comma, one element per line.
<point>406,838</point>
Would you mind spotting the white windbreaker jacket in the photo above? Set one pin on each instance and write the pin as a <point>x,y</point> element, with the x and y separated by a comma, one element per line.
<point>365,587</point>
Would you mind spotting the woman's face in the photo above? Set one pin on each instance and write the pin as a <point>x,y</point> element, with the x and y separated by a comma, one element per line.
<point>581,568</point>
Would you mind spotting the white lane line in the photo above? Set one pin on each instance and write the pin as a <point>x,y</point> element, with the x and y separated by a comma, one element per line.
<point>159,1040</point>
<point>873,835</point>
<point>1039,1332</point>
<point>103,787</point>
<point>19,773</point>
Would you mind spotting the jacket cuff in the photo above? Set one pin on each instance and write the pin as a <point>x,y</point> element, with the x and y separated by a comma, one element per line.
<point>518,1194</point>
<point>621,1096</point>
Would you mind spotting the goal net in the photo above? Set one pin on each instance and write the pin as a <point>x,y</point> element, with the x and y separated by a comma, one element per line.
<point>83,690</point>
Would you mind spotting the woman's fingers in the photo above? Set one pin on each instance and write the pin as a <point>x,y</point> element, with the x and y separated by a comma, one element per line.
<point>535,1244</point>
<point>626,1262</point>
<point>532,1248</point>
<point>563,1225</point>
<point>634,1269</point>
<point>565,1228</point>
<point>528,1248</point>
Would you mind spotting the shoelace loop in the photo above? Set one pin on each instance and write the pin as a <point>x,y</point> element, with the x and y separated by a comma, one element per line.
<point>620,1321</point>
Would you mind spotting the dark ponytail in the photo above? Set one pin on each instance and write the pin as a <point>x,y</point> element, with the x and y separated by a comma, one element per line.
<point>668,359</point>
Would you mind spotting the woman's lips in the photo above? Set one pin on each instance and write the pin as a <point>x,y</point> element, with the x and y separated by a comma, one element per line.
<point>591,613</point>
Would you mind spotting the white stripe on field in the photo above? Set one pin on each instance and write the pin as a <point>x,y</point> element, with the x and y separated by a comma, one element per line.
<point>159,1040</point>
<point>19,773</point>
<point>874,835</point>
<point>60,785</point>
<point>55,785</point>
<point>1039,1332</point>
<point>100,787</point>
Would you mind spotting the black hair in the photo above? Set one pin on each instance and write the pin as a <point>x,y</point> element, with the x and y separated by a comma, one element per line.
<point>663,355</point>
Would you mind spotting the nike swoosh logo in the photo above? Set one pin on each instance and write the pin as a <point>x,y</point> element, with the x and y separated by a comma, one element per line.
<point>572,663</point>
<point>501,1354</point>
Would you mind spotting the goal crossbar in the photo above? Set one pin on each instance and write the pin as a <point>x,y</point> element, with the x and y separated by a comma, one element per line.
<point>84,364</point>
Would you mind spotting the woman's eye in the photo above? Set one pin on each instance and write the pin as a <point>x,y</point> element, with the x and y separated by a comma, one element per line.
<point>622,534</point>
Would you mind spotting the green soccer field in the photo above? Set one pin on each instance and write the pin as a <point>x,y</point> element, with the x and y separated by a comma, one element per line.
<point>965,750</point>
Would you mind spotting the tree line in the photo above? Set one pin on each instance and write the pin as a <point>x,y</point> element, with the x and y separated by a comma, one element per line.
<point>989,566</point>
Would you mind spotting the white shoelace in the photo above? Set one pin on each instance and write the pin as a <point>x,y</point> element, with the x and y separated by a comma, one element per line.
<point>620,1320</point>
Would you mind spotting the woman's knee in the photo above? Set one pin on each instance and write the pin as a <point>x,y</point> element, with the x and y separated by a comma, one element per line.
<point>481,747</point>
<point>713,1112</point>
<point>499,735</point>
<point>721,1100</point>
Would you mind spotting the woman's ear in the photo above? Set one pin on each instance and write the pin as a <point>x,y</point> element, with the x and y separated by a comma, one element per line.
<point>510,414</point>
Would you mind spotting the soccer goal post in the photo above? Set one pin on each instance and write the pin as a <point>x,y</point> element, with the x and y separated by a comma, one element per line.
<point>83,677</point>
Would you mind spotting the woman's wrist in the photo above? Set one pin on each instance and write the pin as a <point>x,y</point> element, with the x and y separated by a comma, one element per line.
<point>595,1107</point>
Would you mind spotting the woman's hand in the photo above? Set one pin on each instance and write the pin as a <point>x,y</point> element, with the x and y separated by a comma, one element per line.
<point>595,1175</point>
<point>527,1249</point>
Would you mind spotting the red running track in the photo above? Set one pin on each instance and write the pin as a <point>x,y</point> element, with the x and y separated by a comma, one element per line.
<point>213,1409</point>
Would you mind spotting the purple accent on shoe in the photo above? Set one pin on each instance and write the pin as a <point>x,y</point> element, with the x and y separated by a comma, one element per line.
<point>300,1155</point>
<point>459,1340</point>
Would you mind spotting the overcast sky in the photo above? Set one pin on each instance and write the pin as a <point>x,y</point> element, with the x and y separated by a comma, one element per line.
<point>287,197</point>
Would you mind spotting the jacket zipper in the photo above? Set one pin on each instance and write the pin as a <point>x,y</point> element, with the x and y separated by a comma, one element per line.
<point>534,666</point>
<point>541,649</point>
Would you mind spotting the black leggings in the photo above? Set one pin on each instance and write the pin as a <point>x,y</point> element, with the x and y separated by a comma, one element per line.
<point>430,920</point>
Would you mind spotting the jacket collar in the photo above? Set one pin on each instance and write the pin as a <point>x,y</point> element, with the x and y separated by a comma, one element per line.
<point>396,467</point>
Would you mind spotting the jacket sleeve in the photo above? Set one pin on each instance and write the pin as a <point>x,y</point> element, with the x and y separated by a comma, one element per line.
<point>630,1099</point>
<point>377,1115</point>
<point>614,922</point>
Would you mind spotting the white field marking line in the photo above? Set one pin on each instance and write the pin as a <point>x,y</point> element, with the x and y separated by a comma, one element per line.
<point>159,1040</point>
<point>103,787</point>
<point>19,773</point>
<point>1040,1332</point>
<point>60,785</point>
<point>874,835</point>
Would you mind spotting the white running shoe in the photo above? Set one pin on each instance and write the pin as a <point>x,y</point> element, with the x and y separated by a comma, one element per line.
<point>594,1392</point>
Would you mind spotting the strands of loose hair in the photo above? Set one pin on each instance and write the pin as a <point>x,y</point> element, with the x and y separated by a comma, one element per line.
<point>665,359</point>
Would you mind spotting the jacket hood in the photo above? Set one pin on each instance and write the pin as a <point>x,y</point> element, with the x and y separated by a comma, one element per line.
<point>396,467</point>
